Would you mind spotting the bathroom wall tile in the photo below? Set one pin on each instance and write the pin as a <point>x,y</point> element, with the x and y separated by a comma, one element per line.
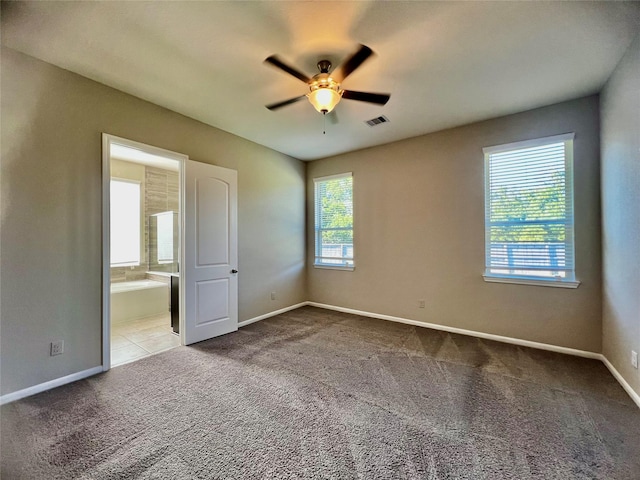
<point>155,177</point>
<point>138,274</point>
<point>161,195</point>
<point>118,275</point>
<point>159,278</point>
<point>173,205</point>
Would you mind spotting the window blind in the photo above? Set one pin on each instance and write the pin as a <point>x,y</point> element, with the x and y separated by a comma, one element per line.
<point>529,209</point>
<point>334,221</point>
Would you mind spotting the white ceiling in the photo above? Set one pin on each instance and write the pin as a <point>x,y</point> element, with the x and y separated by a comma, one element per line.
<point>444,63</point>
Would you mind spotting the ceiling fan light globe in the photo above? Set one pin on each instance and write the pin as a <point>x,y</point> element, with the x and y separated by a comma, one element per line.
<point>324,99</point>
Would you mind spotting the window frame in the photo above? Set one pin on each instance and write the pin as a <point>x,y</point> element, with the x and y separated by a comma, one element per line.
<point>349,263</point>
<point>570,280</point>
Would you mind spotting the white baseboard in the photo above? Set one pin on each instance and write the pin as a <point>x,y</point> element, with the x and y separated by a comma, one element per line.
<point>10,397</point>
<point>462,331</point>
<point>271,314</point>
<point>632,393</point>
<point>27,392</point>
<point>57,382</point>
<point>498,338</point>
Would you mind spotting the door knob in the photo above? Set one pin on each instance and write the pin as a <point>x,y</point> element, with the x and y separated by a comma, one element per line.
<point>234,271</point>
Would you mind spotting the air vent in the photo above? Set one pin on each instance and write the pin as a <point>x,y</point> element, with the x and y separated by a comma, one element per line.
<point>377,121</point>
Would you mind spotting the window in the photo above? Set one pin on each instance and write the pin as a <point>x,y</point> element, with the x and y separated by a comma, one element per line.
<point>125,223</point>
<point>529,212</point>
<point>334,221</point>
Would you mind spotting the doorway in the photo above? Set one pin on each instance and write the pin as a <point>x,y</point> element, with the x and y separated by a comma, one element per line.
<point>141,264</point>
<point>192,251</point>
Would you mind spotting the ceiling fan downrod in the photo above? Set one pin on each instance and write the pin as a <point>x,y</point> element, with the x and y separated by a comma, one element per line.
<point>324,66</point>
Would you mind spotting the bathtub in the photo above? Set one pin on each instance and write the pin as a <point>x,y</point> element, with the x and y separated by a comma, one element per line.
<point>139,299</point>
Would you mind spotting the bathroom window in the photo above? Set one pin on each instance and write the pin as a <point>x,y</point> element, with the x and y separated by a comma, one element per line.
<point>125,223</point>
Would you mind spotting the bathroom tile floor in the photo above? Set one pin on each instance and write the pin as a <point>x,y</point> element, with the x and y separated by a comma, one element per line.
<point>136,339</point>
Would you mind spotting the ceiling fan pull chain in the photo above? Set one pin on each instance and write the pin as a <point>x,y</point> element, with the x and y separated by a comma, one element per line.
<point>324,123</point>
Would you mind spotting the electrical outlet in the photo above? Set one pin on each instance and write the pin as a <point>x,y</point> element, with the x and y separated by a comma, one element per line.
<point>273,295</point>
<point>57,347</point>
<point>634,359</point>
<point>421,303</point>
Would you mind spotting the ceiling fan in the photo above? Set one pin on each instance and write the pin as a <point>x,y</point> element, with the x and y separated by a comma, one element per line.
<point>325,89</point>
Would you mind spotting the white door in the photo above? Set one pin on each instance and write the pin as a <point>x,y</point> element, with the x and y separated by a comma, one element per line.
<point>210,280</point>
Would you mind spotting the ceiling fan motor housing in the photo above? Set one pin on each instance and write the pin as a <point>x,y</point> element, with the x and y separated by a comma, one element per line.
<point>323,80</point>
<point>324,92</point>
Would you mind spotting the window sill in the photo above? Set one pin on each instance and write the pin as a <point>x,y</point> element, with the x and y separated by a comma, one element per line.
<point>532,281</point>
<point>334,267</point>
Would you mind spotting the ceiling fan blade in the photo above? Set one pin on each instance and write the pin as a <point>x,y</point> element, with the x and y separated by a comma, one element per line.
<point>379,98</point>
<point>276,62</point>
<point>275,106</point>
<point>349,65</point>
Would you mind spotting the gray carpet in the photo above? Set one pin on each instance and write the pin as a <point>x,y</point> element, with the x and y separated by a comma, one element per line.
<point>320,394</point>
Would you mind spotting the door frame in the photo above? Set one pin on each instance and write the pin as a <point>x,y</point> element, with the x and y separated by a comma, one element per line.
<point>107,140</point>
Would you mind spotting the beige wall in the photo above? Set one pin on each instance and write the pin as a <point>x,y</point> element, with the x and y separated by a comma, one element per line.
<point>620,110</point>
<point>419,212</point>
<point>50,235</point>
<point>419,232</point>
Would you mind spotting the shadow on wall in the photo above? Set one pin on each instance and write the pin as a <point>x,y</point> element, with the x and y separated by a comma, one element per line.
<point>51,235</point>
